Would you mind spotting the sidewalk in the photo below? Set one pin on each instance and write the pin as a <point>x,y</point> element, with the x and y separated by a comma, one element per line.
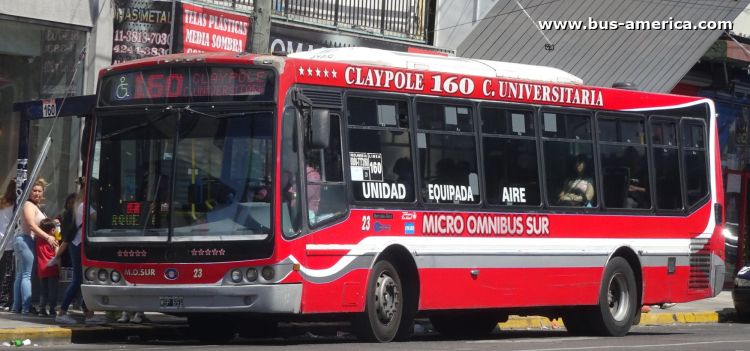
<point>717,309</point>
<point>44,331</point>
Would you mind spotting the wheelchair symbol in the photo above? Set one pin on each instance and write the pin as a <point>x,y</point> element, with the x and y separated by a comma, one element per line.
<point>122,91</point>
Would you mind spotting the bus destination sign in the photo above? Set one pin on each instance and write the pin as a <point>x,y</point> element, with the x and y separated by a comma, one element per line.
<point>186,85</point>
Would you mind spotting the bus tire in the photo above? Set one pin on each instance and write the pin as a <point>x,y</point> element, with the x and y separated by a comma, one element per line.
<point>576,321</point>
<point>465,325</point>
<point>614,314</point>
<point>384,307</point>
<point>209,329</point>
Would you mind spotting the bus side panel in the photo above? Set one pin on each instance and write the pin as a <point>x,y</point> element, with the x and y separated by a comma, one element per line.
<point>658,286</point>
<point>443,288</point>
<point>345,294</point>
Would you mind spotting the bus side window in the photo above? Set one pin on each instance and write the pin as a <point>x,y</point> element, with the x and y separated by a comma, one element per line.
<point>623,156</point>
<point>380,159</point>
<point>666,161</point>
<point>289,177</point>
<point>511,169</point>
<point>447,154</point>
<point>694,162</point>
<point>326,193</point>
<point>569,160</point>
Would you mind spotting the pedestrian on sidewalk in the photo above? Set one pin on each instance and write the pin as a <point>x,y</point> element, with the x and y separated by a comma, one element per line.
<point>74,248</point>
<point>7,271</point>
<point>49,276</point>
<point>25,247</point>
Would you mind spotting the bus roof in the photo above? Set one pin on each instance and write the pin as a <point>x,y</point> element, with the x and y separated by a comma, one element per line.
<point>442,64</point>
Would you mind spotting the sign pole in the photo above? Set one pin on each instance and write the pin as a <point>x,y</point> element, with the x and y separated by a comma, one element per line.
<point>261,26</point>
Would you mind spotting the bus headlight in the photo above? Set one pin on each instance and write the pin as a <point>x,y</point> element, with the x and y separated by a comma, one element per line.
<point>91,274</point>
<point>103,275</point>
<point>252,274</point>
<point>236,276</point>
<point>267,273</point>
<point>743,283</point>
<point>115,276</point>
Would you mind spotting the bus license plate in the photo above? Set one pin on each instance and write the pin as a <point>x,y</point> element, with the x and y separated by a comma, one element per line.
<point>171,302</point>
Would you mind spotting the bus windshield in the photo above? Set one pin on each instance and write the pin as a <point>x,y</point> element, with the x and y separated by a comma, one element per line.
<point>181,175</point>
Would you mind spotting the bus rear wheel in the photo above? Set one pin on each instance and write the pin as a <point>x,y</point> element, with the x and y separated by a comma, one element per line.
<point>614,314</point>
<point>384,306</point>
<point>465,325</point>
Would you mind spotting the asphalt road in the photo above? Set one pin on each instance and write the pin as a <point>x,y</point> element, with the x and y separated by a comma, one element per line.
<point>730,336</point>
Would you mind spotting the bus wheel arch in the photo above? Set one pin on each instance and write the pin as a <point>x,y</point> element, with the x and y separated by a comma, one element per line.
<point>405,266</point>
<point>627,253</point>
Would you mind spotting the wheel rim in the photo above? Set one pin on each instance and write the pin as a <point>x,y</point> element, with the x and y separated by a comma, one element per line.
<point>386,298</point>
<point>618,297</point>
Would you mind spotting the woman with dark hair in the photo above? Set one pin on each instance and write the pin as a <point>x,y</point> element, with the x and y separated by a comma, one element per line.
<point>578,190</point>
<point>74,249</point>
<point>7,274</point>
<point>25,247</point>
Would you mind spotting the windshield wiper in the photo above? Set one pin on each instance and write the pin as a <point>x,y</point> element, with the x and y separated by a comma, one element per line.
<point>164,113</point>
<point>223,115</point>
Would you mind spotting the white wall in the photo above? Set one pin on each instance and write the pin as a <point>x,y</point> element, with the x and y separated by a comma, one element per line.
<point>742,23</point>
<point>455,19</point>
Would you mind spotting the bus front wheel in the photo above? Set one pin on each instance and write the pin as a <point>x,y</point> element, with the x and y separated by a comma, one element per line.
<point>614,314</point>
<point>384,305</point>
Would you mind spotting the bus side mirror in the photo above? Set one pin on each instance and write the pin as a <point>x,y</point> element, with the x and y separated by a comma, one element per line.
<point>320,129</point>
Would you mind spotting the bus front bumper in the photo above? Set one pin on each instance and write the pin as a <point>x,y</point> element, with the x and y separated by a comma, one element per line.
<point>278,298</point>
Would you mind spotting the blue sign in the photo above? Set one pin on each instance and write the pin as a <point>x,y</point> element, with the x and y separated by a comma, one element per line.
<point>380,227</point>
<point>409,228</point>
<point>171,274</point>
<point>124,88</point>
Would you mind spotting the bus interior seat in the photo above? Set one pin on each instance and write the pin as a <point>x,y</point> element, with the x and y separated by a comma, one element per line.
<point>616,184</point>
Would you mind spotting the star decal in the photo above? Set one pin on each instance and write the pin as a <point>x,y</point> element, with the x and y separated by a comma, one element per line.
<point>200,252</point>
<point>194,252</point>
<point>301,71</point>
<point>333,73</point>
<point>216,252</point>
<point>132,254</point>
<point>119,253</point>
<point>143,253</point>
<point>221,252</point>
<point>317,72</point>
<point>309,71</point>
<point>325,72</point>
<point>208,252</point>
<point>138,253</point>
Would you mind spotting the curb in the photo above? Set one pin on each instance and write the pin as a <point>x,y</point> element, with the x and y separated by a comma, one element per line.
<point>51,336</point>
<point>536,322</point>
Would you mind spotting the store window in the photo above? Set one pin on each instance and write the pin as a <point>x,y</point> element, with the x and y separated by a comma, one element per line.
<point>37,62</point>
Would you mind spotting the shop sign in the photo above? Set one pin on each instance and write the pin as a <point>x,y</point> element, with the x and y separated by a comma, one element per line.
<point>141,29</point>
<point>207,30</point>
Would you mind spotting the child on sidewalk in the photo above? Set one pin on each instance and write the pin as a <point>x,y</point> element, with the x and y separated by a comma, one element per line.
<point>48,276</point>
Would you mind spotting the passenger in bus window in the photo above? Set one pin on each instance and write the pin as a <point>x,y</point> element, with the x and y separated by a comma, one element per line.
<point>403,169</point>
<point>579,190</point>
<point>638,196</point>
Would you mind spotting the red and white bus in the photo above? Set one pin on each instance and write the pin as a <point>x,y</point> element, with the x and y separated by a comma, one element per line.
<point>241,190</point>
